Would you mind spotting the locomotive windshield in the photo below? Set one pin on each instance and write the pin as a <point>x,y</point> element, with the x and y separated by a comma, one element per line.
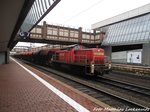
<point>75,47</point>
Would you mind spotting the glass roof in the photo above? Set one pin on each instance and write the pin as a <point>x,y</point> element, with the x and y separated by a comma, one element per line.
<point>38,9</point>
<point>133,31</point>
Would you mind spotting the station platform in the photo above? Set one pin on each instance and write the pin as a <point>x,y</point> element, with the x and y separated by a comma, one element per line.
<point>25,89</point>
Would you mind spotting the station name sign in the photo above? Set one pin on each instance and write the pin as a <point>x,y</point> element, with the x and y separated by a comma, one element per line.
<point>24,35</point>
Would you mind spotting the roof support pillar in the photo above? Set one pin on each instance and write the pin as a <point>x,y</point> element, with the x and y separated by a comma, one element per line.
<point>4,57</point>
<point>44,30</point>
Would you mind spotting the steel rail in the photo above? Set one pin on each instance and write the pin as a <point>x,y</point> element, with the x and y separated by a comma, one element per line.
<point>128,86</point>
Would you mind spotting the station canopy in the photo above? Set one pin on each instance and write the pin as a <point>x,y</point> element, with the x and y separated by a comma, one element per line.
<point>132,27</point>
<point>37,12</point>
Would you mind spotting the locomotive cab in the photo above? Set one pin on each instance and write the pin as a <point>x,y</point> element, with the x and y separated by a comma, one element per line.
<point>97,64</point>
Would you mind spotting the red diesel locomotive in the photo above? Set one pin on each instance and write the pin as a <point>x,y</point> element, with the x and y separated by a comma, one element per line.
<point>90,61</point>
<point>77,58</point>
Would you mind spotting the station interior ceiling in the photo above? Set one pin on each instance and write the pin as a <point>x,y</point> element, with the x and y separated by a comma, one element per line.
<point>11,12</point>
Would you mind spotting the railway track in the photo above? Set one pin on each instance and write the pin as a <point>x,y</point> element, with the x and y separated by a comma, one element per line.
<point>144,91</point>
<point>110,92</point>
<point>131,79</point>
<point>139,69</point>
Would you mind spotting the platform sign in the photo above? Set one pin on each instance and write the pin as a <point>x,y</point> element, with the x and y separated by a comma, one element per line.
<point>24,35</point>
<point>134,57</point>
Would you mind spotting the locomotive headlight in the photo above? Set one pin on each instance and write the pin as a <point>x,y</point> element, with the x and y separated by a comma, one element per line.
<point>92,68</point>
<point>109,66</point>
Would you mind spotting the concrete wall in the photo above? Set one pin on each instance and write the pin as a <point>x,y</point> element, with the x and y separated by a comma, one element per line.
<point>7,56</point>
<point>108,50</point>
<point>146,54</point>
<point>119,57</point>
<point>122,56</point>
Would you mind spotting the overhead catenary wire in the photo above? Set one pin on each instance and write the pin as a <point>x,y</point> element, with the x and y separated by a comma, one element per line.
<point>84,11</point>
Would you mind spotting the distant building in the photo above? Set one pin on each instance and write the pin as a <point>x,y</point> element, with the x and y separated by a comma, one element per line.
<point>129,31</point>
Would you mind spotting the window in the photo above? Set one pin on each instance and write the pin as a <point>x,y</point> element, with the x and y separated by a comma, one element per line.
<point>133,30</point>
<point>38,30</point>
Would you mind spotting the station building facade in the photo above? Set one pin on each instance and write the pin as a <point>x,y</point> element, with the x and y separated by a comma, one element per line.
<point>127,36</point>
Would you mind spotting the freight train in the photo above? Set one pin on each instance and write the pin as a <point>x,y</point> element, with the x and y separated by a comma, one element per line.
<point>77,58</point>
